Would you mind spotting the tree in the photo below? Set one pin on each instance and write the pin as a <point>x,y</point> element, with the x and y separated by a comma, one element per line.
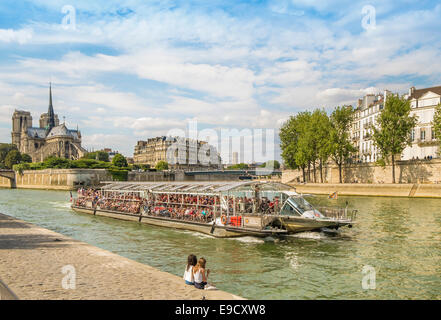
<point>13,157</point>
<point>53,162</point>
<point>5,148</point>
<point>436,123</point>
<point>161,165</point>
<point>321,126</point>
<point>295,140</point>
<point>25,158</point>
<point>394,129</point>
<point>119,160</point>
<point>289,136</point>
<point>340,146</point>
<point>98,155</point>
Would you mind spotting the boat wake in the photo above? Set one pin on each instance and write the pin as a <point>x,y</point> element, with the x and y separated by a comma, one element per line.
<point>60,205</point>
<point>248,240</point>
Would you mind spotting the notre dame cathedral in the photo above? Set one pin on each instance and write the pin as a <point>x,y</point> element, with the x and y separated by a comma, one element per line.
<point>50,139</point>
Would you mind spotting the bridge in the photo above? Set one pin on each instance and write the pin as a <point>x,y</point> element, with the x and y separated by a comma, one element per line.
<point>9,174</point>
<point>241,173</point>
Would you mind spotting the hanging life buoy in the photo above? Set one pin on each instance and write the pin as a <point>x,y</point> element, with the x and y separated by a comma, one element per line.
<point>224,220</point>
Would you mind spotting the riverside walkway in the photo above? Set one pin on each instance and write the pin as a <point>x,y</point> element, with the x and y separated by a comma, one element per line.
<point>36,263</point>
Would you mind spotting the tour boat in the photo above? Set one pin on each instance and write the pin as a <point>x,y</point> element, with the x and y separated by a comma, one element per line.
<point>220,209</point>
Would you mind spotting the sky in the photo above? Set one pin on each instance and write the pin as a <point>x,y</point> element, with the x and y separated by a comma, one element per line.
<point>124,73</point>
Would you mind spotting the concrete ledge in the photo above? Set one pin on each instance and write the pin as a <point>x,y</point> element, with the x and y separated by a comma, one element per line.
<point>37,263</point>
<point>6,293</point>
<point>383,190</point>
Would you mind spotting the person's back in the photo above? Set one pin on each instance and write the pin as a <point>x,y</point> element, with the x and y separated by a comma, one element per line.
<point>200,278</point>
<point>188,274</point>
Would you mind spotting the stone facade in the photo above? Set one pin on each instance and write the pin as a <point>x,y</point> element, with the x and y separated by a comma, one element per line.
<point>49,139</point>
<point>424,144</point>
<point>180,153</point>
<point>420,171</point>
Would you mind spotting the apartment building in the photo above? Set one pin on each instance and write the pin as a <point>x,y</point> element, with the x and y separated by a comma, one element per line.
<point>180,153</point>
<point>423,103</point>
<point>424,144</point>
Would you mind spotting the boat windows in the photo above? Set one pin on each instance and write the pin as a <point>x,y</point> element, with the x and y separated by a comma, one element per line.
<point>289,210</point>
<point>296,206</point>
<point>300,204</point>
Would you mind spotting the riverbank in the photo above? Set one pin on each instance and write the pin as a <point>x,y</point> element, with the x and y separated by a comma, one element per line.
<point>377,190</point>
<point>32,261</point>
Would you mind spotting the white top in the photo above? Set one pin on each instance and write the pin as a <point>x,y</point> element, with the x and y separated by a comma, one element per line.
<point>188,275</point>
<point>198,277</point>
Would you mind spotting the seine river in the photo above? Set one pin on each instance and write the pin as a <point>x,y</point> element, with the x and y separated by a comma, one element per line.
<point>399,238</point>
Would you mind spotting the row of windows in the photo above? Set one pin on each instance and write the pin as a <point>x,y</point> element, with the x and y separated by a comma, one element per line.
<point>423,134</point>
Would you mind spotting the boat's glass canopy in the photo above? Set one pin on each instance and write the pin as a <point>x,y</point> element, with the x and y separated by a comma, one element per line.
<point>196,187</point>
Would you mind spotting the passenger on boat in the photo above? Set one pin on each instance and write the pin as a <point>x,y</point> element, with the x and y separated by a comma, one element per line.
<point>200,274</point>
<point>188,274</point>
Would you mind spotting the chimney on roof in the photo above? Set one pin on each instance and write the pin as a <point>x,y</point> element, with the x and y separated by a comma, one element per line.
<point>411,91</point>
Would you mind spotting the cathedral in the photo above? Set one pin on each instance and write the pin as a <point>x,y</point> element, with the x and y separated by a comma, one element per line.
<point>49,139</point>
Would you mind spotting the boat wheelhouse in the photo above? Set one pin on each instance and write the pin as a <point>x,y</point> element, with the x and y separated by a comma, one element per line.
<point>222,209</point>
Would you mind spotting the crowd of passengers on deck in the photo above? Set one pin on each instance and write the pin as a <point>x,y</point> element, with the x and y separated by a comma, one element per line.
<point>176,206</point>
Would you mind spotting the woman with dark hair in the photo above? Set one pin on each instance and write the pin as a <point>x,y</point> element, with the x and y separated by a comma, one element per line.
<point>200,274</point>
<point>188,274</point>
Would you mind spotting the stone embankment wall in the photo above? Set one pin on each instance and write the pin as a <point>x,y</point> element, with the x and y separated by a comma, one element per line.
<point>410,172</point>
<point>58,179</point>
<point>71,179</point>
<point>383,190</point>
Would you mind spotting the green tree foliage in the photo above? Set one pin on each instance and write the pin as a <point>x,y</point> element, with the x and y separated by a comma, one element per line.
<point>340,145</point>
<point>21,167</point>
<point>289,136</point>
<point>436,123</point>
<point>161,166</point>
<point>319,129</point>
<point>119,161</point>
<point>5,148</point>
<point>305,142</point>
<point>12,158</point>
<point>56,163</point>
<point>394,128</point>
<point>25,158</point>
<point>98,155</point>
<point>239,166</point>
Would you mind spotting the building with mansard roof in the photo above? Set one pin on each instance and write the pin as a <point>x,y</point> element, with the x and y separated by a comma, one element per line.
<point>49,139</point>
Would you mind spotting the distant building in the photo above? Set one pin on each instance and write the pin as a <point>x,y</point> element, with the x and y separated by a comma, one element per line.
<point>366,114</point>
<point>424,144</point>
<point>180,153</point>
<point>423,103</point>
<point>235,158</point>
<point>50,139</point>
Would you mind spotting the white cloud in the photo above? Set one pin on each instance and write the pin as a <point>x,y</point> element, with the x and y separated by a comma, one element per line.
<point>20,36</point>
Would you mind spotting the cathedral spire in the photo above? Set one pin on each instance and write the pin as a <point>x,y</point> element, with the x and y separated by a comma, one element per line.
<point>50,112</point>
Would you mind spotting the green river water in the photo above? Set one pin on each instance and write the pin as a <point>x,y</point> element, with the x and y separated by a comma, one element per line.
<point>399,237</point>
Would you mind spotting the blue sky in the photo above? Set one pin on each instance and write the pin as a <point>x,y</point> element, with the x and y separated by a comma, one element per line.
<point>133,71</point>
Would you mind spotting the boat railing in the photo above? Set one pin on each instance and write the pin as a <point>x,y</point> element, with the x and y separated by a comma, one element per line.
<point>178,216</point>
<point>338,213</point>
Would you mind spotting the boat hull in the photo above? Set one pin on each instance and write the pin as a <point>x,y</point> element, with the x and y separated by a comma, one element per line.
<point>206,228</point>
<point>299,224</point>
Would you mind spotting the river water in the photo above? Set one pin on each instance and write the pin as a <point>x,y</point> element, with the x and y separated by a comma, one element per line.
<point>396,240</point>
